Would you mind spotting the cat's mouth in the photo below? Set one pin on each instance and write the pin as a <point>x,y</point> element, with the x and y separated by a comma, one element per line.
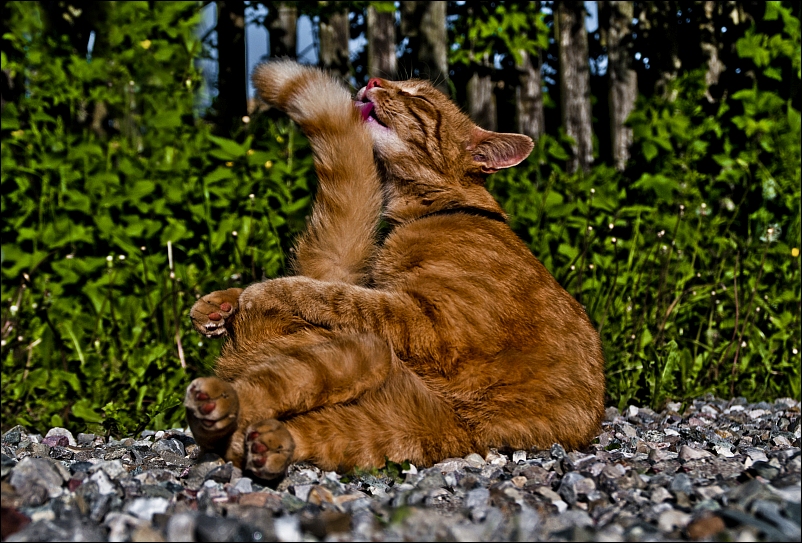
<point>368,112</point>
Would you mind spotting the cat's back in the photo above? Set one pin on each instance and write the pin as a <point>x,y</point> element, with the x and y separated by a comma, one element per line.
<point>461,247</point>
<point>476,267</point>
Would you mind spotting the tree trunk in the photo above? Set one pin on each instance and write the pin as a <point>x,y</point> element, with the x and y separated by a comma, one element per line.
<point>616,25</point>
<point>710,47</point>
<point>424,24</point>
<point>481,100</point>
<point>231,102</point>
<point>529,97</point>
<point>382,60</point>
<point>334,44</point>
<point>282,27</point>
<point>657,25</point>
<point>575,81</point>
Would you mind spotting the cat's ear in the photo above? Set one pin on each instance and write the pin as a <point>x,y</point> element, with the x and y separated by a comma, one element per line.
<point>493,151</point>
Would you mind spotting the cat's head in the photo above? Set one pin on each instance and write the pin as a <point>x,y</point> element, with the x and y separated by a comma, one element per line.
<point>427,146</point>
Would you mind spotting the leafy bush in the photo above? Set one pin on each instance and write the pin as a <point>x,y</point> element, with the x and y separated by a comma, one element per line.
<point>121,208</point>
<point>688,262</point>
<point>109,235</point>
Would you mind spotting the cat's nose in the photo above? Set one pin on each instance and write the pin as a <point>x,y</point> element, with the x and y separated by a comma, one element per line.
<point>374,82</point>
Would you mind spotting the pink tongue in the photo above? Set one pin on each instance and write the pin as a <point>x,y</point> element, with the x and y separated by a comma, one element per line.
<point>364,108</point>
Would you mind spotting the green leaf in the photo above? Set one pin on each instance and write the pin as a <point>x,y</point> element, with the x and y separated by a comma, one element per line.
<point>649,150</point>
<point>84,409</point>
<point>220,173</point>
<point>660,184</point>
<point>229,147</point>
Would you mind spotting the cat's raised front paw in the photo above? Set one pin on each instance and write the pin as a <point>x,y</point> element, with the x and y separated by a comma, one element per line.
<point>210,314</point>
<point>268,449</point>
<point>212,407</point>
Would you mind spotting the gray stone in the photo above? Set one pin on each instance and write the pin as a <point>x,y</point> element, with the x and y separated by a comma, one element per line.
<point>121,525</point>
<point>104,484</point>
<point>477,497</point>
<point>220,529</point>
<point>288,528</point>
<point>770,511</point>
<point>574,485</point>
<point>113,468</point>
<point>145,508</point>
<point>673,520</point>
<point>14,436</point>
<point>85,440</point>
<point>689,453</point>
<point>659,495</point>
<point>63,529</point>
<point>181,527</point>
<point>36,479</point>
<point>566,521</point>
<point>557,451</point>
<point>681,483</point>
<point>170,445</point>
<point>765,470</point>
<point>243,485</point>
<point>474,460</point>
<point>431,481</point>
<point>610,414</point>
<point>452,464</point>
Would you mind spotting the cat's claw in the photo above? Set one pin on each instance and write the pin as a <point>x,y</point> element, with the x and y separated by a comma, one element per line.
<point>269,447</point>
<point>212,407</point>
<point>211,313</point>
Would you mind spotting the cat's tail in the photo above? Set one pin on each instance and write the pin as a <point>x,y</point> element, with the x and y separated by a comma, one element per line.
<point>340,238</point>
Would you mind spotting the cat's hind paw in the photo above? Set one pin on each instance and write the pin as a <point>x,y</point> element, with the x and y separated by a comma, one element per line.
<point>212,407</point>
<point>210,314</point>
<point>269,447</point>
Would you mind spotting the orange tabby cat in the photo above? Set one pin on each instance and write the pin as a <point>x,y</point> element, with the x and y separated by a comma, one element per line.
<point>448,338</point>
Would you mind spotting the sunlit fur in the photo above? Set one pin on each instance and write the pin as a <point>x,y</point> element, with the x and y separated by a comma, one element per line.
<point>485,348</point>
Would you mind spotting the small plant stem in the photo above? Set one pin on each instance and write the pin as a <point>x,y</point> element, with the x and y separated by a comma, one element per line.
<point>239,253</point>
<point>663,276</point>
<point>175,307</point>
<point>100,315</point>
<point>747,316</point>
<point>247,241</point>
<point>612,290</point>
<point>115,326</point>
<point>737,314</point>
<point>584,251</point>
<point>695,245</point>
<point>541,211</point>
<point>145,280</point>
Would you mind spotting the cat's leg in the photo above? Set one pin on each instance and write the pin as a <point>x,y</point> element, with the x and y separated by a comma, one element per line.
<point>315,372</point>
<point>401,420</point>
<point>310,374</point>
<point>210,314</point>
<point>339,241</point>
<point>407,322</point>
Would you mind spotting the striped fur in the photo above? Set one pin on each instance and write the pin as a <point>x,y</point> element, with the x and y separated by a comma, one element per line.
<point>448,337</point>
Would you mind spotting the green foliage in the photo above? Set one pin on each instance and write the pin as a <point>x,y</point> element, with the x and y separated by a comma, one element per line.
<point>511,28</point>
<point>121,208</point>
<point>688,262</point>
<point>110,235</point>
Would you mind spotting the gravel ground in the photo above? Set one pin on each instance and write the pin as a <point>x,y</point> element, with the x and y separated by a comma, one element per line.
<point>719,470</point>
